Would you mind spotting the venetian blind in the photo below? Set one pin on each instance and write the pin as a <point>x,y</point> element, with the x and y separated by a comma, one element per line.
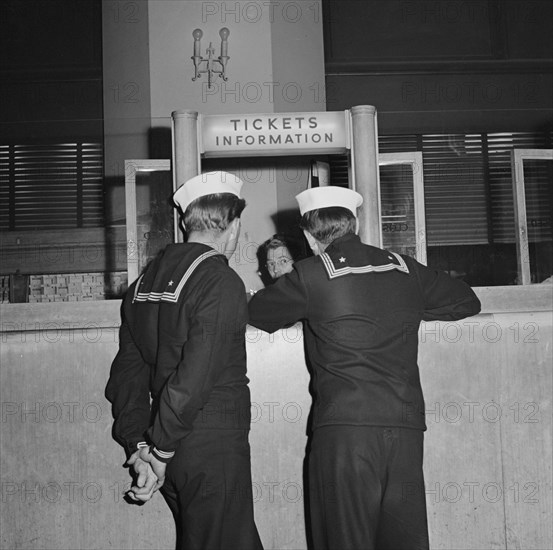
<point>51,186</point>
<point>468,184</point>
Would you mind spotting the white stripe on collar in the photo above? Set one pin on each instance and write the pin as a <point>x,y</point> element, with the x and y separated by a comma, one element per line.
<point>334,272</point>
<point>167,296</point>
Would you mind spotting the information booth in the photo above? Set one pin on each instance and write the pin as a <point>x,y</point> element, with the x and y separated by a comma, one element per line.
<point>392,216</point>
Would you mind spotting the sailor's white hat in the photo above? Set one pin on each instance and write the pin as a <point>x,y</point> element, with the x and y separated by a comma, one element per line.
<point>327,196</point>
<point>207,184</point>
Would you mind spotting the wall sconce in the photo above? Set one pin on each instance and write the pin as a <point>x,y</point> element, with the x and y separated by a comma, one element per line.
<point>209,61</point>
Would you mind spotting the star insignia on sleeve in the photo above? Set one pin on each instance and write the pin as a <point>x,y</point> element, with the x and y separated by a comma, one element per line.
<point>342,260</point>
<point>170,283</point>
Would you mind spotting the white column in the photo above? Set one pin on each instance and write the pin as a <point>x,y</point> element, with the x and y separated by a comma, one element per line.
<point>185,156</point>
<point>365,169</point>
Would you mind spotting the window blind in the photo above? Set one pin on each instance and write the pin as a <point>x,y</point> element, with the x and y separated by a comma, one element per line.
<point>454,189</point>
<point>51,186</point>
<point>468,184</point>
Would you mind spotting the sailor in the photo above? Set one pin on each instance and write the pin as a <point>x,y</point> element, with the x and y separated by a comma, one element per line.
<point>361,308</point>
<point>182,344</point>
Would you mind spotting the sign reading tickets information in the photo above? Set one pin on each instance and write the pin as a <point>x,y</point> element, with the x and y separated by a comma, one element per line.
<point>275,134</point>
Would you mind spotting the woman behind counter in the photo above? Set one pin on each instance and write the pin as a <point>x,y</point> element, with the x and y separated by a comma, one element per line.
<point>276,257</point>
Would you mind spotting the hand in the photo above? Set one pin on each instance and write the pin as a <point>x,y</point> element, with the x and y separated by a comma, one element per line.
<point>157,466</point>
<point>150,474</point>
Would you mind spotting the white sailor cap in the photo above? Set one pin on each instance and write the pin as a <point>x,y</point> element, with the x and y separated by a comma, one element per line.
<point>327,196</point>
<point>207,184</point>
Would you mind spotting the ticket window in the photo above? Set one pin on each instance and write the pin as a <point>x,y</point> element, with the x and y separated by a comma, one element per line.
<point>402,204</point>
<point>150,215</point>
<point>533,202</point>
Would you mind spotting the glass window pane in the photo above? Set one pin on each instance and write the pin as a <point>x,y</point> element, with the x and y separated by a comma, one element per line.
<point>154,212</point>
<point>398,209</point>
<point>538,191</point>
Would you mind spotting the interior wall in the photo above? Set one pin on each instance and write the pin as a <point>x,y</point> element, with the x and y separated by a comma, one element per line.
<point>299,84</point>
<point>442,67</point>
<point>126,96</point>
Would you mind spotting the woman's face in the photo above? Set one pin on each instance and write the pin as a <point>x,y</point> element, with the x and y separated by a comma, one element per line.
<point>279,262</point>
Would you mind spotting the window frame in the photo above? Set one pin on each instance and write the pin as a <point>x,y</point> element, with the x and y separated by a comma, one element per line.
<point>132,167</point>
<point>518,156</point>
<point>414,160</point>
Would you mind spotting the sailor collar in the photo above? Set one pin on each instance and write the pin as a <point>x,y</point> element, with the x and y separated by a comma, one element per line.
<point>166,285</point>
<point>339,261</point>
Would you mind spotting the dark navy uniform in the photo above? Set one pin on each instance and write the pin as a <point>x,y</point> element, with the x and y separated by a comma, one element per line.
<point>182,343</point>
<point>363,307</point>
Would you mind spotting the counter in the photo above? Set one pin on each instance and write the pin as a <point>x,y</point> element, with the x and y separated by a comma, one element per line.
<point>487,383</point>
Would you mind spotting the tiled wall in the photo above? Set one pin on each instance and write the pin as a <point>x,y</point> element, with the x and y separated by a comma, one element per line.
<point>71,287</point>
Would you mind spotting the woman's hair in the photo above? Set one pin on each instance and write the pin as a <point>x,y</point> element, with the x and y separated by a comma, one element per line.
<point>276,241</point>
<point>213,212</point>
<point>292,243</point>
<point>328,224</point>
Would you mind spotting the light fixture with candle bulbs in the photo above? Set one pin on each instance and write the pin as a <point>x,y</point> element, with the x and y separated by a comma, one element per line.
<point>210,62</point>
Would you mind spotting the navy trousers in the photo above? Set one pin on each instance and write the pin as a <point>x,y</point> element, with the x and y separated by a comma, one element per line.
<point>208,487</point>
<point>366,489</point>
